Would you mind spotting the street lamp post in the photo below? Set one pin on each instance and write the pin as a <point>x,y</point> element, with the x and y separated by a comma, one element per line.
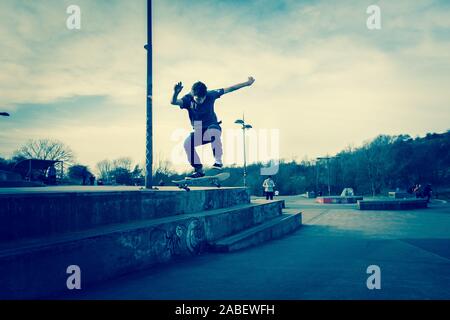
<point>327,159</point>
<point>244,126</point>
<point>328,167</point>
<point>317,180</point>
<point>338,169</point>
<point>149,124</point>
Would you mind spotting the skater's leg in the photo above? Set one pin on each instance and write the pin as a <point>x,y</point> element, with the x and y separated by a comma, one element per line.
<point>214,135</point>
<point>217,149</point>
<point>193,140</point>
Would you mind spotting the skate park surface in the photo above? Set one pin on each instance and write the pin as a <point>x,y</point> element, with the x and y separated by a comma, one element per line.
<point>327,258</point>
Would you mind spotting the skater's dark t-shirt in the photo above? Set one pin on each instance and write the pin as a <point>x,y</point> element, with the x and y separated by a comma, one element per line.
<point>202,112</point>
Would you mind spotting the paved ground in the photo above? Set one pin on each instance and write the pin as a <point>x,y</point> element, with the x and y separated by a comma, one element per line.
<point>325,259</point>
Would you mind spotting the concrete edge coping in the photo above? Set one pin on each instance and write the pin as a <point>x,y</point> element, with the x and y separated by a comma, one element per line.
<point>392,200</point>
<point>99,192</point>
<point>270,223</point>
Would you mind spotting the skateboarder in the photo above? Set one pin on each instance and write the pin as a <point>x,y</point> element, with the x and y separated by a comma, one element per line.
<point>200,105</point>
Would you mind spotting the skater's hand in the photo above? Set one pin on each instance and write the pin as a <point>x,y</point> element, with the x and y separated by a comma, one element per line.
<point>176,90</point>
<point>178,87</point>
<point>250,81</point>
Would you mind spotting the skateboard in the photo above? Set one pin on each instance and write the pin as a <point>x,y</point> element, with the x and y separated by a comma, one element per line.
<point>208,179</point>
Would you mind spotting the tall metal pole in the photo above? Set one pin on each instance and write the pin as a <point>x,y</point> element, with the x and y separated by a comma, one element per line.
<point>329,187</point>
<point>245,160</point>
<point>149,129</point>
<point>245,154</point>
<point>317,179</point>
<point>327,158</point>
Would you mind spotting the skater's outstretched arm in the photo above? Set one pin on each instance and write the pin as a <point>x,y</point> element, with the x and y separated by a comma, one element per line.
<point>176,91</point>
<point>238,86</point>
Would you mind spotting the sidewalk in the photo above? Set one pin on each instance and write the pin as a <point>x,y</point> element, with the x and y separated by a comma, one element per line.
<point>325,259</point>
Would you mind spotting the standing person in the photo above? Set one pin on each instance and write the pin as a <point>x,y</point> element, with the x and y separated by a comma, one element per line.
<point>51,175</point>
<point>84,175</point>
<point>418,190</point>
<point>269,186</point>
<point>200,105</point>
<point>427,192</point>
<point>92,180</point>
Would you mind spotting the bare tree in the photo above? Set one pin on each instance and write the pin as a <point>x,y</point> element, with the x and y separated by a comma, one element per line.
<point>123,163</point>
<point>376,158</point>
<point>105,168</point>
<point>45,149</point>
<point>162,167</point>
<point>118,171</point>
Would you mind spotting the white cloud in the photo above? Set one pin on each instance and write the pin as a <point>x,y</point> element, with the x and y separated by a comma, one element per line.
<point>322,78</point>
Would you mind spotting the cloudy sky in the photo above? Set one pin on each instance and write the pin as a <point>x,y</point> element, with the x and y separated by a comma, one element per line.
<point>323,79</point>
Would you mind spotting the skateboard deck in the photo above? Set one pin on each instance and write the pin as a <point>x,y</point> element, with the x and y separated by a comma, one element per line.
<point>208,179</point>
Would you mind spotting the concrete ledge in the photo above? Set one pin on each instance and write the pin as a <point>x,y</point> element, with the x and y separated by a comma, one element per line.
<point>400,195</point>
<point>338,199</point>
<point>37,214</point>
<point>219,226</point>
<point>20,184</point>
<point>275,228</point>
<point>391,204</point>
<point>37,268</point>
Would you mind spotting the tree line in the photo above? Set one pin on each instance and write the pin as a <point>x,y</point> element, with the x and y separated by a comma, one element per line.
<point>381,164</point>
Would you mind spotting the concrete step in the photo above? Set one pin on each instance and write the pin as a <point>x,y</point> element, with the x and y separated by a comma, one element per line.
<point>240,218</point>
<point>42,212</point>
<point>218,223</point>
<point>277,227</point>
<point>262,200</point>
<point>36,268</point>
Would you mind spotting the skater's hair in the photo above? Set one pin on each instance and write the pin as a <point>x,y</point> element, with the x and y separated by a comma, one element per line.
<point>199,89</point>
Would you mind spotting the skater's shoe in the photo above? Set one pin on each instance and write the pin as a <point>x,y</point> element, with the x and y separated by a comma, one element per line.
<point>196,174</point>
<point>217,166</point>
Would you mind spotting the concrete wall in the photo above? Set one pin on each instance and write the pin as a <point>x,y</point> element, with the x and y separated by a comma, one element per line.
<point>39,269</point>
<point>390,204</point>
<point>400,195</point>
<point>32,215</point>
